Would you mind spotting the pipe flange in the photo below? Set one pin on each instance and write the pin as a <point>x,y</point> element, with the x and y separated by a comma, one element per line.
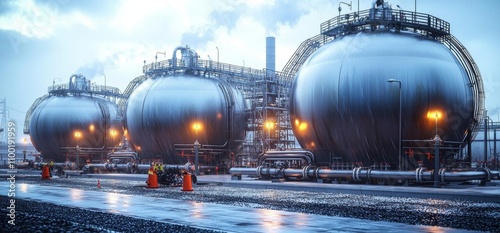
<point>355,173</point>
<point>442,171</point>
<point>368,173</point>
<point>488,173</point>
<point>304,172</point>
<point>418,175</point>
<point>316,172</point>
<point>359,173</point>
<point>258,171</point>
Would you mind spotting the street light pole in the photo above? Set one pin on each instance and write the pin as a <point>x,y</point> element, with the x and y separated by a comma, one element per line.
<point>104,81</point>
<point>156,57</point>
<point>400,121</point>
<point>78,134</point>
<point>437,143</point>
<point>196,127</point>
<point>196,146</point>
<point>25,141</point>
<point>218,66</point>
<point>54,82</point>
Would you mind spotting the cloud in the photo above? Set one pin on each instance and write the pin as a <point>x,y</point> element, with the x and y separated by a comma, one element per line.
<point>34,20</point>
<point>96,8</point>
<point>228,15</point>
<point>92,69</point>
<point>6,6</point>
<point>283,12</point>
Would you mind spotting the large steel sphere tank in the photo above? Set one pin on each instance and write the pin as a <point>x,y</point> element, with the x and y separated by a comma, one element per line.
<point>344,108</point>
<point>60,123</point>
<point>162,113</point>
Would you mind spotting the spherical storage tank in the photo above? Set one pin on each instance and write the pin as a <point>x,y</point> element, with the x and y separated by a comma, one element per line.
<point>344,109</point>
<point>72,117</point>
<point>163,111</point>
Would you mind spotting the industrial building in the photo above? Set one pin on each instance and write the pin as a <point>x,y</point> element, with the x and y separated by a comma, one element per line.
<point>376,90</point>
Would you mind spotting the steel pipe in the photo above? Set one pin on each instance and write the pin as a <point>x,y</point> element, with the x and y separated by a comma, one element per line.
<point>358,174</point>
<point>287,155</point>
<point>69,165</point>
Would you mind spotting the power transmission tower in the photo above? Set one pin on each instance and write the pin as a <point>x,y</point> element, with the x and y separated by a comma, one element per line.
<point>3,120</point>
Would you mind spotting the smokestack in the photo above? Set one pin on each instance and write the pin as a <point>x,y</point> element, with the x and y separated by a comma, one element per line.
<point>270,55</point>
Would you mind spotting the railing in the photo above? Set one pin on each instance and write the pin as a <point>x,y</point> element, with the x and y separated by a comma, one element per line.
<point>298,58</point>
<point>35,104</point>
<point>203,65</point>
<point>128,91</point>
<point>240,77</point>
<point>403,20</point>
<point>475,80</point>
<point>97,89</point>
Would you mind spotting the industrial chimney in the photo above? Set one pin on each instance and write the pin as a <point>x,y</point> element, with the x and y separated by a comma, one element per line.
<point>270,55</point>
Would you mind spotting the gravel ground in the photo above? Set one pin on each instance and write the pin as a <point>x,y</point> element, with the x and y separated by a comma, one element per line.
<point>459,214</point>
<point>67,219</point>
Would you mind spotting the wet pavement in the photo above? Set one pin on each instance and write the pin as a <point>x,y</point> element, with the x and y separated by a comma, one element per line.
<point>207,215</point>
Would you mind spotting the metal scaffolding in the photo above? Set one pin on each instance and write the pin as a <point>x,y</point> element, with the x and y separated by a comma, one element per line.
<point>265,92</point>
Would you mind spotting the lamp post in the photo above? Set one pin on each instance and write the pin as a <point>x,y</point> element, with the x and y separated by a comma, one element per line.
<point>78,135</point>
<point>437,143</point>
<point>25,141</point>
<point>104,81</point>
<point>196,127</point>
<point>54,82</point>
<point>349,5</point>
<point>218,67</point>
<point>434,115</point>
<point>156,57</point>
<point>400,121</point>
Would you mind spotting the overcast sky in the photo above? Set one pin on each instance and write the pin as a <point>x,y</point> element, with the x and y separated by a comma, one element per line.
<point>42,42</point>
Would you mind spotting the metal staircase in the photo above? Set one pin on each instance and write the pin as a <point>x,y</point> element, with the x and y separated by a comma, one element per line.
<point>35,104</point>
<point>475,80</point>
<point>128,91</point>
<point>300,55</point>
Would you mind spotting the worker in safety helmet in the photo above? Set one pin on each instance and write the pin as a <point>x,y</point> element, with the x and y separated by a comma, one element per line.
<point>160,167</point>
<point>51,165</point>
<point>155,168</point>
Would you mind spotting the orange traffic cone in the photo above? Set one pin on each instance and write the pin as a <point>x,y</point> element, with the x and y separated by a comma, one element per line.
<point>45,173</point>
<point>187,184</point>
<point>99,184</point>
<point>152,179</point>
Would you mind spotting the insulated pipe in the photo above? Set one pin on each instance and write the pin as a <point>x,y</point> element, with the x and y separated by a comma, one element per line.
<point>98,165</point>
